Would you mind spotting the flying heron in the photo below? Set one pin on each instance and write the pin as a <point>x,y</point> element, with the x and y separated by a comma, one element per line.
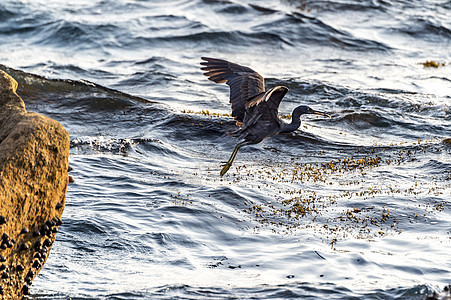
<point>254,109</point>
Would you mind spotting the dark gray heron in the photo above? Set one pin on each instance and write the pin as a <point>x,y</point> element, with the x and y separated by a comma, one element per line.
<point>254,109</point>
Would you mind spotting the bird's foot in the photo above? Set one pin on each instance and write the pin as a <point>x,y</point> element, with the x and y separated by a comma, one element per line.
<point>225,168</point>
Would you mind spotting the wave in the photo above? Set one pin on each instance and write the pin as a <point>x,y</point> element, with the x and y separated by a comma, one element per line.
<point>300,29</point>
<point>427,29</point>
<point>104,144</point>
<point>39,86</point>
<point>333,6</point>
<point>91,109</point>
<point>6,15</point>
<point>425,20</point>
<point>282,291</point>
<point>272,27</point>
<point>396,100</point>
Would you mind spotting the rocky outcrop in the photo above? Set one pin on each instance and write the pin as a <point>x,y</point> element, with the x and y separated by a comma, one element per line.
<point>34,152</point>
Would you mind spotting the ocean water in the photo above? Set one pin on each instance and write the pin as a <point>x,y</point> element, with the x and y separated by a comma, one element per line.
<point>352,207</point>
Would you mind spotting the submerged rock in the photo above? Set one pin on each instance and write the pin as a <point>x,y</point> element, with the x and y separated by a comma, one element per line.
<point>34,152</point>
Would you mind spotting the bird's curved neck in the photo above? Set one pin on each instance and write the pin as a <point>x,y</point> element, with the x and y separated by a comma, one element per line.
<point>295,123</point>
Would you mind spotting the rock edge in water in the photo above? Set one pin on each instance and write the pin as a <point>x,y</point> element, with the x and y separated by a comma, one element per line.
<point>34,152</point>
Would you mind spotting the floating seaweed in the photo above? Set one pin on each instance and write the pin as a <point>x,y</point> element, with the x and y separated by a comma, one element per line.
<point>433,64</point>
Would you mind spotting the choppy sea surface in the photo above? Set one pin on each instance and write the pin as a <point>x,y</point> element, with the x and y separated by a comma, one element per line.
<point>352,207</point>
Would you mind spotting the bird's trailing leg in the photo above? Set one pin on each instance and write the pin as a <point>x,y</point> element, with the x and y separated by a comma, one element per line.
<point>228,164</point>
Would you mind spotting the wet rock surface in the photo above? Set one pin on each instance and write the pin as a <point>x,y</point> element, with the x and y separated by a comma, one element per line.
<point>34,152</point>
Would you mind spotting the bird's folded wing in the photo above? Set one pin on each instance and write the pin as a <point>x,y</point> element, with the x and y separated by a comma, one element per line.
<point>264,108</point>
<point>271,97</point>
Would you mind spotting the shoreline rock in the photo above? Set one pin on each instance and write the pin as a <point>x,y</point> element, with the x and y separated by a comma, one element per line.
<point>34,152</point>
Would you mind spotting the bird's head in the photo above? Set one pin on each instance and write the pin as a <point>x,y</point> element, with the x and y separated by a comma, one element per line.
<point>304,109</point>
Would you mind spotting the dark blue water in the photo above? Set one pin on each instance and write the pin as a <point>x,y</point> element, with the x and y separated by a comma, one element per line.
<point>356,206</point>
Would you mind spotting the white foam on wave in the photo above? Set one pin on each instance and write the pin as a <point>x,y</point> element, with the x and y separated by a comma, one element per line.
<point>104,143</point>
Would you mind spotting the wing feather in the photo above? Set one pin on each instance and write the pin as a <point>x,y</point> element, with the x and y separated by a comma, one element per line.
<point>266,105</point>
<point>244,82</point>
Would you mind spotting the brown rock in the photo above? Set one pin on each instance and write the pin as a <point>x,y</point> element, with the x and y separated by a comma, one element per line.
<point>34,153</point>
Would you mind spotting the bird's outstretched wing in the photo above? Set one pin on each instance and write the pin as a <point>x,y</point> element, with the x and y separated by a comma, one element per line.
<point>245,84</point>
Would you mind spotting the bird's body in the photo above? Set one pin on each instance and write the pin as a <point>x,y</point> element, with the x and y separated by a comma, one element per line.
<point>261,119</point>
<point>254,109</point>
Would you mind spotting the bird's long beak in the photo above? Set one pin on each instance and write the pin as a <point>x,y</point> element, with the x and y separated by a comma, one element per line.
<point>320,113</point>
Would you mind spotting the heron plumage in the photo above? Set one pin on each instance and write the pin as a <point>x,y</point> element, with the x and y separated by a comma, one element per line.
<point>254,109</point>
